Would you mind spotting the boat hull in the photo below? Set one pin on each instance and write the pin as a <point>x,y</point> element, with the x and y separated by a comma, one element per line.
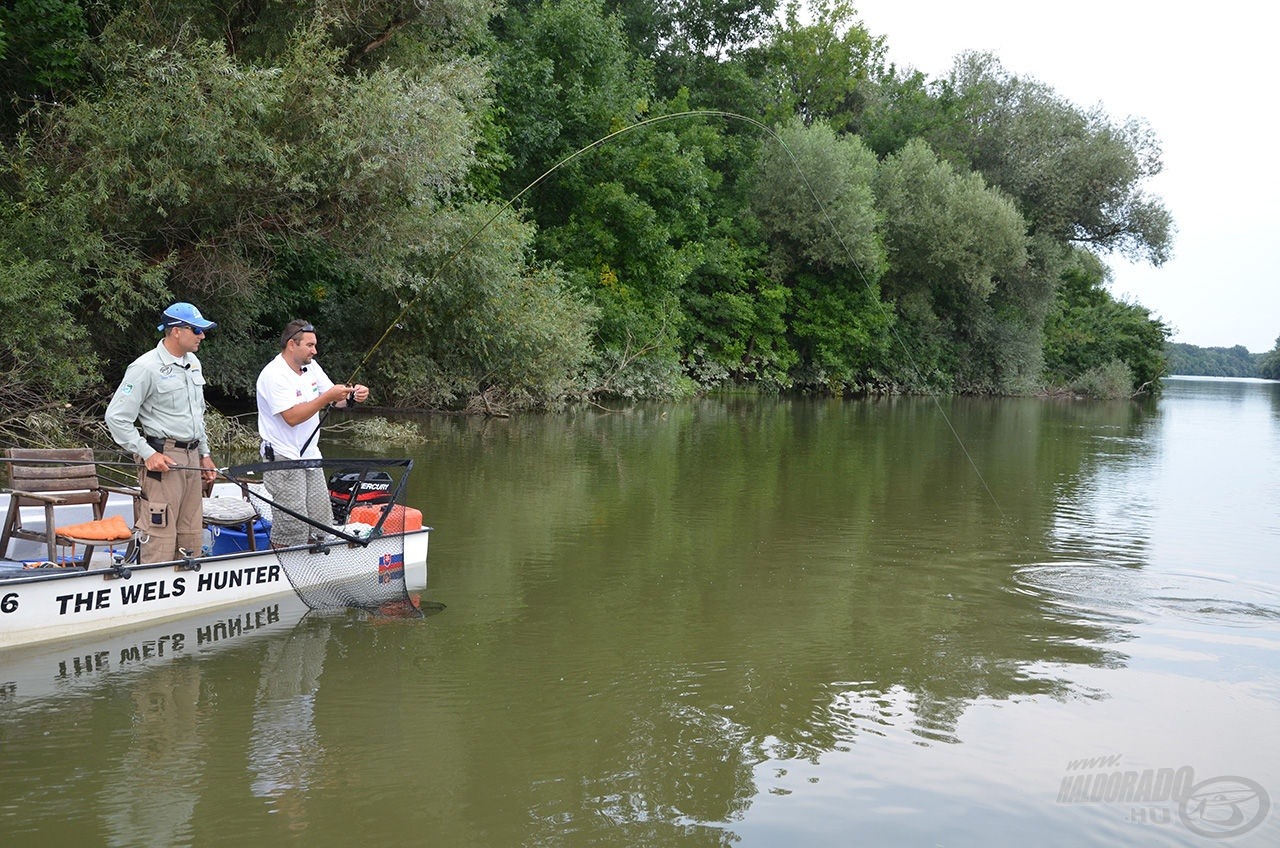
<point>39,606</point>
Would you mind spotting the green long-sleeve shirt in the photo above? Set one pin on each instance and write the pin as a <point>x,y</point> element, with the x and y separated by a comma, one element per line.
<point>163,394</point>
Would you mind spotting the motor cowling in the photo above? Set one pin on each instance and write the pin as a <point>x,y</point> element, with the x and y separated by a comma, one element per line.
<point>375,488</point>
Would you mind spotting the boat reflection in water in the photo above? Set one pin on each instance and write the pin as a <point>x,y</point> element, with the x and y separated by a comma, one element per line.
<point>134,708</point>
<point>68,667</point>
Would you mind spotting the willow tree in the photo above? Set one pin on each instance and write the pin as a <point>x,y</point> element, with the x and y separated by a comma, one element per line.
<point>815,201</point>
<point>1079,178</point>
<point>953,241</point>
<point>1076,174</point>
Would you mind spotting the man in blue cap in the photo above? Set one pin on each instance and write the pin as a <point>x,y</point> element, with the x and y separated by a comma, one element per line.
<point>157,414</point>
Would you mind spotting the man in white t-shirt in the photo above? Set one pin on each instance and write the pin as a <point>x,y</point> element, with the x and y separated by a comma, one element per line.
<point>292,390</point>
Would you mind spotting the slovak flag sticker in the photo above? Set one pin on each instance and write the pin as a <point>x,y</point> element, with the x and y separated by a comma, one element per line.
<point>390,567</point>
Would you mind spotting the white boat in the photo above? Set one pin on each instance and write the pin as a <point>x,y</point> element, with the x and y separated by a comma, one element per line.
<point>43,604</point>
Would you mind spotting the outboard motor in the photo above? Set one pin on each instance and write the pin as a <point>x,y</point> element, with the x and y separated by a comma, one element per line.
<point>346,490</point>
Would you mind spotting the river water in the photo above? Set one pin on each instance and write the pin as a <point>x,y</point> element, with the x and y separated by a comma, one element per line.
<point>734,621</point>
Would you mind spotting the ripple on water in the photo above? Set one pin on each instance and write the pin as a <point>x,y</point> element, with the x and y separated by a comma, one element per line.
<point>1095,590</point>
<point>1105,588</point>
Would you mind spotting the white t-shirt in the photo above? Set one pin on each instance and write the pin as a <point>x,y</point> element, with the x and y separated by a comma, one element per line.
<point>279,388</point>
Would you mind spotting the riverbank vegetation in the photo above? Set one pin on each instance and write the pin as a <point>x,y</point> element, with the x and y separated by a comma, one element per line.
<point>774,206</point>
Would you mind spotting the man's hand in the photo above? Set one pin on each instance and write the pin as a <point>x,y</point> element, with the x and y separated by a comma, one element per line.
<point>337,394</point>
<point>159,462</point>
<point>347,393</point>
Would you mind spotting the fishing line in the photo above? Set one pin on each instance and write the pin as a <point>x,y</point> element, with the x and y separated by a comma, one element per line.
<point>826,215</point>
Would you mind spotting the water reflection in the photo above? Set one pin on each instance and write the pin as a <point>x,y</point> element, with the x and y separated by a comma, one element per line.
<point>151,793</point>
<point>128,720</point>
<point>1101,512</point>
<point>737,620</point>
<point>712,586</point>
<point>285,751</point>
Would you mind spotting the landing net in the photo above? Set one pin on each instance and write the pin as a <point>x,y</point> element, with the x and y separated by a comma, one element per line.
<point>337,527</point>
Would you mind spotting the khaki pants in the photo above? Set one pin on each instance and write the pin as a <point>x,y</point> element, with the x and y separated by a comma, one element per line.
<point>172,507</point>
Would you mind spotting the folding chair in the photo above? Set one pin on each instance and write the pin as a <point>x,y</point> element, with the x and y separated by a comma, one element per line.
<point>53,479</point>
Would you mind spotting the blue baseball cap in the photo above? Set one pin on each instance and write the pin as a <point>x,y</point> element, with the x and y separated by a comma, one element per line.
<point>184,313</point>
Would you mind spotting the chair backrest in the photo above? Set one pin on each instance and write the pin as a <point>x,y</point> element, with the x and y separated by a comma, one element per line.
<point>58,469</point>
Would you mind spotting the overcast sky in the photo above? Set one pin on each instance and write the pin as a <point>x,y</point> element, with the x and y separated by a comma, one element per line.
<point>1203,77</point>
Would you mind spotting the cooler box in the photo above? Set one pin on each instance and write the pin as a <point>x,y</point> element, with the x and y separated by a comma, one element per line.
<point>230,540</point>
<point>401,520</point>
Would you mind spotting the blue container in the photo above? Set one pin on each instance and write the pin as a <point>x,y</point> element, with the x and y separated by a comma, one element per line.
<point>230,540</point>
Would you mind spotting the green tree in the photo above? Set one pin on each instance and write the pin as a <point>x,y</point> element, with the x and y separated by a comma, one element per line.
<point>625,213</point>
<point>633,237</point>
<point>693,46</point>
<point>485,329</point>
<point>39,305</point>
<point>819,70</point>
<point>1089,333</point>
<point>813,196</point>
<point>294,164</point>
<point>42,45</point>
<point>735,313</point>
<point>1269,364</point>
<point>350,162</point>
<point>1212,361</point>
<point>952,241</point>
<point>207,167</point>
<point>565,78</point>
<point>898,106</point>
<point>1076,176</point>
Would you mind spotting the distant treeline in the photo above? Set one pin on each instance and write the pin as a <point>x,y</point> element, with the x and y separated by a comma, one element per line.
<point>1193,361</point>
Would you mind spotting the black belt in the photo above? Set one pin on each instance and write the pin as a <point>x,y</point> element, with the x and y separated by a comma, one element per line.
<point>158,444</point>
